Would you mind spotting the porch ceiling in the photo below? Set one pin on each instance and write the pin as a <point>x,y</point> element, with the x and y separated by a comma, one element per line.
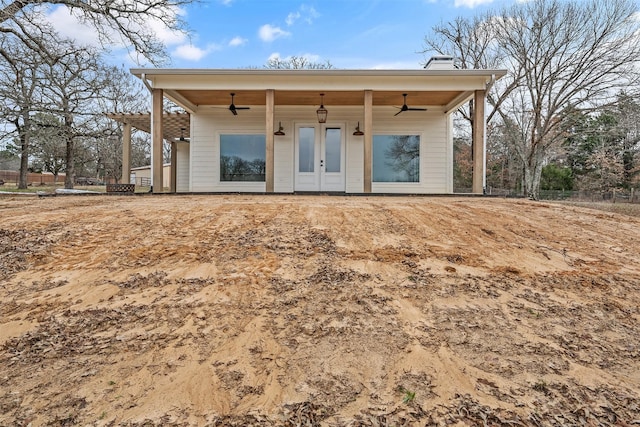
<point>297,97</point>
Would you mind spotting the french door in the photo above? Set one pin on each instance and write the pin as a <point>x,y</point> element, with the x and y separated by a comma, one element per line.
<point>319,155</point>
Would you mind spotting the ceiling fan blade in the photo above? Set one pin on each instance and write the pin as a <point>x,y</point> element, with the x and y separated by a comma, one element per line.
<point>401,110</point>
<point>242,108</point>
<point>416,109</point>
<point>233,110</point>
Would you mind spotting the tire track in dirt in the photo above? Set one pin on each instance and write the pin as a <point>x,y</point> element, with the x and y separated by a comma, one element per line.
<point>285,310</point>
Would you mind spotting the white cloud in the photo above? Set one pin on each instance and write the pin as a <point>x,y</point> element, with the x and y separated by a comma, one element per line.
<point>306,13</point>
<point>237,41</point>
<point>226,2</point>
<point>310,13</point>
<point>193,53</point>
<point>292,17</point>
<point>70,27</point>
<point>310,57</point>
<point>269,33</point>
<point>471,3</point>
<point>166,36</point>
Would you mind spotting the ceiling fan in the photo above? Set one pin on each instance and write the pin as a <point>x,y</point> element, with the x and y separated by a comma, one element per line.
<point>233,107</point>
<point>406,108</point>
<point>182,138</point>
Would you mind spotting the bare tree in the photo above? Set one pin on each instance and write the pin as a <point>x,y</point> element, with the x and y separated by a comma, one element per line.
<point>126,22</point>
<point>48,148</point>
<point>21,94</point>
<point>570,54</point>
<point>71,86</point>
<point>122,93</point>
<point>297,63</point>
<point>473,43</point>
<point>560,54</point>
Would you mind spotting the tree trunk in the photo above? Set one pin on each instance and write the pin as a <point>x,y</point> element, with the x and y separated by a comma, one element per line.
<point>69,158</point>
<point>532,176</point>
<point>68,179</point>
<point>24,160</point>
<point>24,151</point>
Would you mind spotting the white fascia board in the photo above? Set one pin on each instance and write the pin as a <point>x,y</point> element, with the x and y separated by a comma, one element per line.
<point>345,80</point>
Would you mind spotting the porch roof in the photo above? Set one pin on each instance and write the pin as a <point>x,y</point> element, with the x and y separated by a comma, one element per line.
<point>192,88</point>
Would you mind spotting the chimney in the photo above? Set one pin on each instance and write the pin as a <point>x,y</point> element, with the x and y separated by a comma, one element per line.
<point>440,62</point>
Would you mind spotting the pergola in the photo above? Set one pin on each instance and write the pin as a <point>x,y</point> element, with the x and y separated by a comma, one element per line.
<point>174,126</point>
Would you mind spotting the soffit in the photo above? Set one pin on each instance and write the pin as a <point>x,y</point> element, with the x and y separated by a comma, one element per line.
<point>346,98</point>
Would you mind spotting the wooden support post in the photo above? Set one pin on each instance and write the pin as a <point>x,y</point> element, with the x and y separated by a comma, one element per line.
<point>478,142</point>
<point>156,142</point>
<point>269,167</point>
<point>126,154</point>
<point>368,139</point>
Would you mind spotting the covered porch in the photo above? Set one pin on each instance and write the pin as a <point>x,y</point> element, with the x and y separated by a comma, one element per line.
<point>361,91</point>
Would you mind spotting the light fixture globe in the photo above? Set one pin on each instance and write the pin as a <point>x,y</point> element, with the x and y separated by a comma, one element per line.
<point>322,112</point>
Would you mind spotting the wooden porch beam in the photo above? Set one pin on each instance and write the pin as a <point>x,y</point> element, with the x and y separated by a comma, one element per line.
<point>156,141</point>
<point>126,153</point>
<point>368,139</point>
<point>269,117</point>
<point>478,142</point>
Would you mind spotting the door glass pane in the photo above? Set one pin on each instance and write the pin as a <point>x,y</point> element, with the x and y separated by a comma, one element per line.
<point>306,142</point>
<point>332,144</point>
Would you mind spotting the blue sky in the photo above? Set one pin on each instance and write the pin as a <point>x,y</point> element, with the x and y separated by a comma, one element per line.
<point>358,34</point>
<point>348,33</point>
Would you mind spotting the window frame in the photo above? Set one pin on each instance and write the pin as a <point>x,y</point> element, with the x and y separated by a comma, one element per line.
<point>220,136</point>
<point>421,139</point>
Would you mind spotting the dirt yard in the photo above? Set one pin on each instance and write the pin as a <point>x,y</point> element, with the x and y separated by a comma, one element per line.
<point>316,311</point>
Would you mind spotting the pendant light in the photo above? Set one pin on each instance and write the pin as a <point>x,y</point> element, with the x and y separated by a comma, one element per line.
<point>322,112</point>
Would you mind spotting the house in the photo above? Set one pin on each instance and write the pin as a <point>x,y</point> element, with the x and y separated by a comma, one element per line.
<point>285,131</point>
<point>142,176</point>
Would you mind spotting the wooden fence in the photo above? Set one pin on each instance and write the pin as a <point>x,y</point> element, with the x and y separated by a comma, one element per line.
<point>32,178</point>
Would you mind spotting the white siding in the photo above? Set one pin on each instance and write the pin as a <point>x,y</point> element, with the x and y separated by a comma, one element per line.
<point>207,125</point>
<point>283,158</point>
<point>433,126</point>
<point>182,173</point>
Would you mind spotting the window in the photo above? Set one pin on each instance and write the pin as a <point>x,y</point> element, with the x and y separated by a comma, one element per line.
<point>242,157</point>
<point>396,158</point>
